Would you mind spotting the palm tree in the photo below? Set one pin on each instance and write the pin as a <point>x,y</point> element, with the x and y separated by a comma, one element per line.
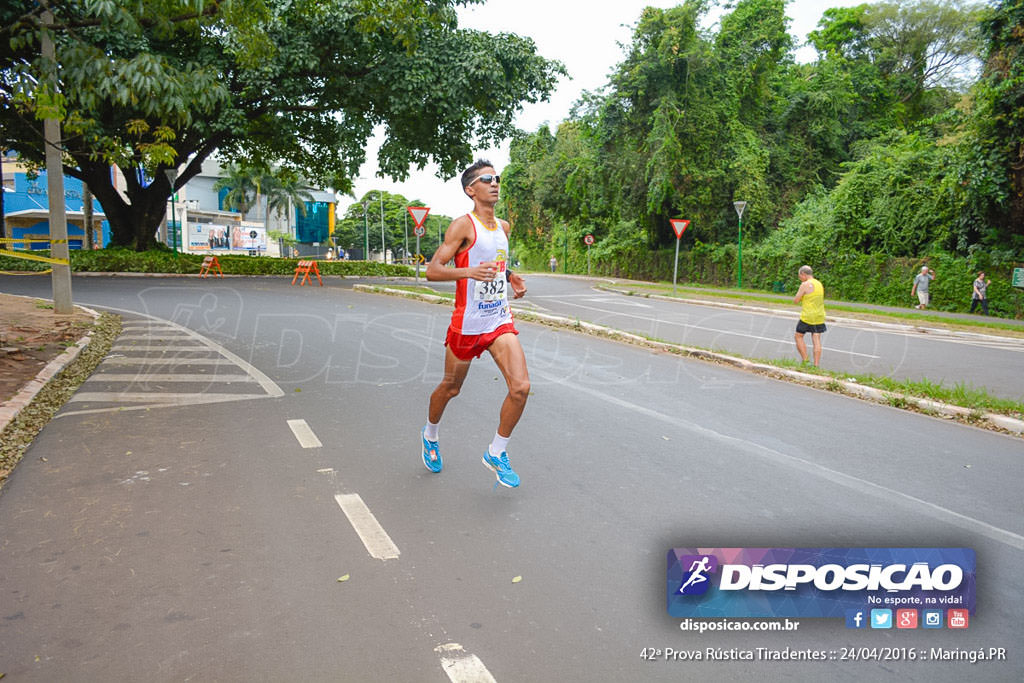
<point>238,180</point>
<point>284,189</point>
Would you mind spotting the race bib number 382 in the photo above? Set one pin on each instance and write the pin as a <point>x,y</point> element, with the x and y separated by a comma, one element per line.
<point>493,290</point>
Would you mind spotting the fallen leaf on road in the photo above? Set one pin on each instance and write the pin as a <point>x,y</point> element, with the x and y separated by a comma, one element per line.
<point>342,579</point>
<point>297,390</point>
<point>516,579</point>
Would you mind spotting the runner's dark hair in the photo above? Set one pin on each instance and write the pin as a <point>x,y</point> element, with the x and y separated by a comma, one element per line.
<point>470,173</point>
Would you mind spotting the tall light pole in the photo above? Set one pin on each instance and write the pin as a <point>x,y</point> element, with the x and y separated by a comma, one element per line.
<point>366,230</point>
<point>740,206</point>
<point>383,244</point>
<point>172,175</point>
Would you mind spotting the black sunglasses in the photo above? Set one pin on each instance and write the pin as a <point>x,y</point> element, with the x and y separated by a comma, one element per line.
<point>488,178</point>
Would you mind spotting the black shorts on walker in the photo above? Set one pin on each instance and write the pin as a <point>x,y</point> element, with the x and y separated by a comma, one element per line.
<point>804,328</point>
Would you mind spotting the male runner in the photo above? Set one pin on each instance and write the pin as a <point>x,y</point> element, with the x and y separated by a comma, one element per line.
<point>482,319</point>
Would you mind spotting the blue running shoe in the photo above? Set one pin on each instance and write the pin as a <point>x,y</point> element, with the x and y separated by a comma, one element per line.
<point>506,476</point>
<point>431,454</point>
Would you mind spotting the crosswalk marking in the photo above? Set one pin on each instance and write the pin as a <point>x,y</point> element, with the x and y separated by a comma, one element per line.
<point>144,378</point>
<point>151,353</point>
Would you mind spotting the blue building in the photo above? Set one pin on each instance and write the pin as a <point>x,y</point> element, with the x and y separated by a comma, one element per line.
<point>27,210</point>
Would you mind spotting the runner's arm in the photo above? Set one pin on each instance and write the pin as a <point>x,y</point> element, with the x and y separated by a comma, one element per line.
<point>457,234</point>
<point>804,289</point>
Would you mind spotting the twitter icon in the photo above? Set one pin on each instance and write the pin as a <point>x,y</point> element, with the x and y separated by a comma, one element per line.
<point>881,618</point>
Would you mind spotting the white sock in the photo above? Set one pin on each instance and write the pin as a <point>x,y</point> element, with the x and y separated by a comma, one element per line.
<point>430,431</point>
<point>499,444</point>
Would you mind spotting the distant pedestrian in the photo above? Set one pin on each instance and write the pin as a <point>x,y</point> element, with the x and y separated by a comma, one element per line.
<point>811,297</point>
<point>979,294</point>
<point>553,264</point>
<point>920,287</point>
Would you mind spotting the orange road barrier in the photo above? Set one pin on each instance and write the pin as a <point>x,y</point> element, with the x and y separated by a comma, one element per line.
<point>304,268</point>
<point>209,263</point>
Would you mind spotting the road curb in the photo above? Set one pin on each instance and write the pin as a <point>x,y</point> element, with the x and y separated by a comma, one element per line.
<point>11,408</point>
<point>850,388</point>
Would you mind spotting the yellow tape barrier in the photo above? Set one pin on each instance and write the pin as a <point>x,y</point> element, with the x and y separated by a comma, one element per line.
<point>32,257</point>
<point>26,240</point>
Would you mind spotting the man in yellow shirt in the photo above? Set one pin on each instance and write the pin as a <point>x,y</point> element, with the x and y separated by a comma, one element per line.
<point>811,297</point>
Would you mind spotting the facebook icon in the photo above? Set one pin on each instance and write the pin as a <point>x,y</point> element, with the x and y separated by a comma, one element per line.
<point>856,618</point>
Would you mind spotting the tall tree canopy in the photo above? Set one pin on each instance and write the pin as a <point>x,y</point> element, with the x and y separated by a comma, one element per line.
<point>154,84</point>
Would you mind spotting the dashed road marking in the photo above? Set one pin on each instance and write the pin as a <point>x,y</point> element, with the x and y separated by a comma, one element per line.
<point>461,666</point>
<point>304,433</point>
<point>372,534</point>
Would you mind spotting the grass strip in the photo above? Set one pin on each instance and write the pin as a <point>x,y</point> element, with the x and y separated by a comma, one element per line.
<point>18,435</point>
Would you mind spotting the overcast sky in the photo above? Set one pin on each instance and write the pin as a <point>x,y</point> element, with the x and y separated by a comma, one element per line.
<point>585,37</point>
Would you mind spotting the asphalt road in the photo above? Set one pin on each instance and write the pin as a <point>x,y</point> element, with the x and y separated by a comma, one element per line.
<point>161,529</point>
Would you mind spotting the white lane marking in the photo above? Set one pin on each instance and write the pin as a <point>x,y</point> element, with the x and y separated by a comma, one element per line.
<point>159,362</point>
<point>461,666</point>
<point>158,334</point>
<point>849,481</point>
<point>660,321</point>
<point>304,433</point>
<point>173,348</point>
<point>143,377</point>
<point>156,397</point>
<point>372,534</point>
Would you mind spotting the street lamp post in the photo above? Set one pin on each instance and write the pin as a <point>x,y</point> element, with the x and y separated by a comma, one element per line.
<point>383,244</point>
<point>740,206</point>
<point>366,231</point>
<point>172,176</point>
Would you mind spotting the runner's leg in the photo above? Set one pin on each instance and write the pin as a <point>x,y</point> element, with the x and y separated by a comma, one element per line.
<point>508,355</point>
<point>816,342</point>
<point>455,371</point>
<point>801,346</point>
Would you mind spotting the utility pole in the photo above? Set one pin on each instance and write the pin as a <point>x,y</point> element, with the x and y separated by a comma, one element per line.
<point>383,244</point>
<point>61,277</point>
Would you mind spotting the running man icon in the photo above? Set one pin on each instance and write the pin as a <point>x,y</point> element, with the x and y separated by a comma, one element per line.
<point>698,569</point>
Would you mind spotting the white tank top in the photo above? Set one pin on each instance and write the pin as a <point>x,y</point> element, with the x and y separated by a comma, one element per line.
<point>482,307</point>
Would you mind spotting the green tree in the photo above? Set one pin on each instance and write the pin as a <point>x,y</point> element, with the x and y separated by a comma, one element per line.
<point>285,189</point>
<point>301,83</point>
<point>989,179</point>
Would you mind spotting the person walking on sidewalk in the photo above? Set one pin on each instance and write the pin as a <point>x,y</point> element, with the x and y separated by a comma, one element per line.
<point>811,297</point>
<point>921,283</point>
<point>979,294</point>
<point>482,319</point>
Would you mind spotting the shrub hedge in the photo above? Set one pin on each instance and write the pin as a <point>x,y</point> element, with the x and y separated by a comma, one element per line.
<point>119,260</point>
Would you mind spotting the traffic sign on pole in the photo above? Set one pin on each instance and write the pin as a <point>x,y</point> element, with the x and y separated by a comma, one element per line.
<point>679,225</point>
<point>588,240</point>
<point>418,213</point>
